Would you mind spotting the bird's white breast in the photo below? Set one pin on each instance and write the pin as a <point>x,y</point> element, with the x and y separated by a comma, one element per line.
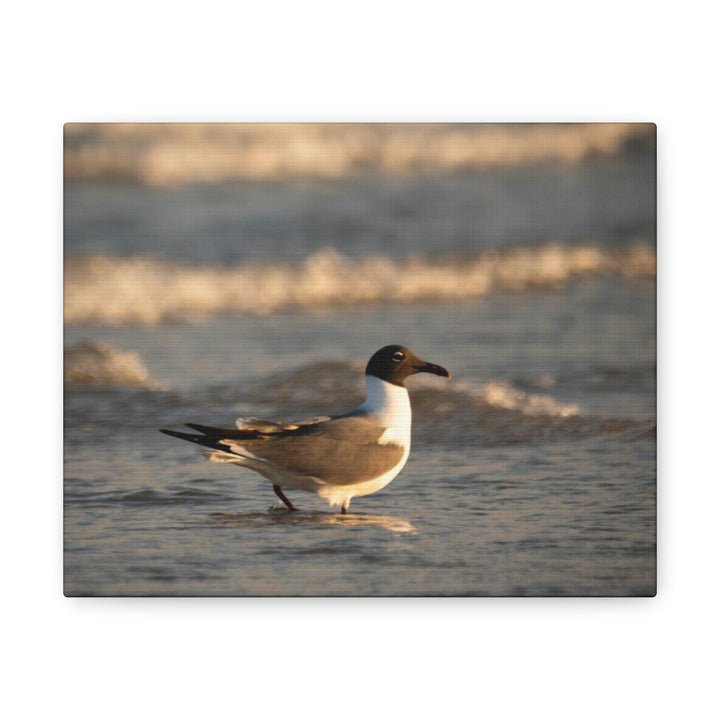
<point>390,406</point>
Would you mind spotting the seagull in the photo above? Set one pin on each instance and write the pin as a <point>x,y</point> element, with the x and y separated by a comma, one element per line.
<point>336,457</point>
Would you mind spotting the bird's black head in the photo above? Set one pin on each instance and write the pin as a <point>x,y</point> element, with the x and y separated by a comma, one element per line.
<point>394,363</point>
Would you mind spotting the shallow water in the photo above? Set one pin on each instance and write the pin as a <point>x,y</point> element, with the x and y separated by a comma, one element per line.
<point>532,470</point>
<point>521,480</point>
<point>567,518</point>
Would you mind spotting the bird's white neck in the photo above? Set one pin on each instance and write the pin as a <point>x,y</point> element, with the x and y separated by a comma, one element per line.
<point>389,403</point>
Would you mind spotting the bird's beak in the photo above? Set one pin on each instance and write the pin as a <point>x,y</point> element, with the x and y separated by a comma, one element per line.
<point>434,369</point>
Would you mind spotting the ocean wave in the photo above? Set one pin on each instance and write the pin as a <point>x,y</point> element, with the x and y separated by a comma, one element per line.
<point>335,380</point>
<point>497,412</point>
<point>178,153</point>
<point>101,366</point>
<point>139,289</point>
<point>459,412</point>
<point>490,412</point>
<point>502,394</point>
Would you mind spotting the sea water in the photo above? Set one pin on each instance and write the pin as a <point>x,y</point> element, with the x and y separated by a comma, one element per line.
<point>532,470</point>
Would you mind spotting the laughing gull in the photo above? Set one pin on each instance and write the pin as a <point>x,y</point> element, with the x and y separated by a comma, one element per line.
<point>337,457</point>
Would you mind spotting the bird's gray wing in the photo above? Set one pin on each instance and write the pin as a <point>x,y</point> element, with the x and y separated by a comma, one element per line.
<point>341,451</point>
<point>271,426</point>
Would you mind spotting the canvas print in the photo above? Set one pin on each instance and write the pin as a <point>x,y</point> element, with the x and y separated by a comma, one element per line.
<point>359,359</point>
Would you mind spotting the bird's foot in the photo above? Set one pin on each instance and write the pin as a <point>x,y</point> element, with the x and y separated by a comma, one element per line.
<point>283,498</point>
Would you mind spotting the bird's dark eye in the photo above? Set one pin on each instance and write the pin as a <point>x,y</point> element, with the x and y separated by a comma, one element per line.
<point>398,356</point>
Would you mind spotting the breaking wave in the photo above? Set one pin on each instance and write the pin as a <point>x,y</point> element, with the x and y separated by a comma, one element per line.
<point>101,366</point>
<point>179,153</point>
<point>139,289</point>
<point>340,382</point>
<point>459,411</point>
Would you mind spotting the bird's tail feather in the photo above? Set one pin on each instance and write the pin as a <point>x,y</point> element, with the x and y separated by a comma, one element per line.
<point>228,433</point>
<point>191,437</point>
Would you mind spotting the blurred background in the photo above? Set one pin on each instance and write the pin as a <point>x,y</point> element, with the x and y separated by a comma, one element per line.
<point>219,270</point>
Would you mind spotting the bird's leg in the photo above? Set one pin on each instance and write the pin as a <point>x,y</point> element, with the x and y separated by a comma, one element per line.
<point>281,495</point>
<point>343,510</point>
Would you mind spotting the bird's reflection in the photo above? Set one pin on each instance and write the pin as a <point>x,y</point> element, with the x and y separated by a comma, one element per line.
<point>281,516</point>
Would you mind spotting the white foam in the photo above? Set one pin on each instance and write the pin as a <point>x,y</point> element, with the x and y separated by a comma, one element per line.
<point>177,153</point>
<point>505,395</point>
<point>98,364</point>
<point>147,291</point>
<point>499,394</point>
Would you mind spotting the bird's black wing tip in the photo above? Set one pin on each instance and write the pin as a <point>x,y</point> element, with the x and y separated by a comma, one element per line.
<point>204,429</point>
<point>181,435</point>
<point>197,439</point>
<point>172,433</point>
